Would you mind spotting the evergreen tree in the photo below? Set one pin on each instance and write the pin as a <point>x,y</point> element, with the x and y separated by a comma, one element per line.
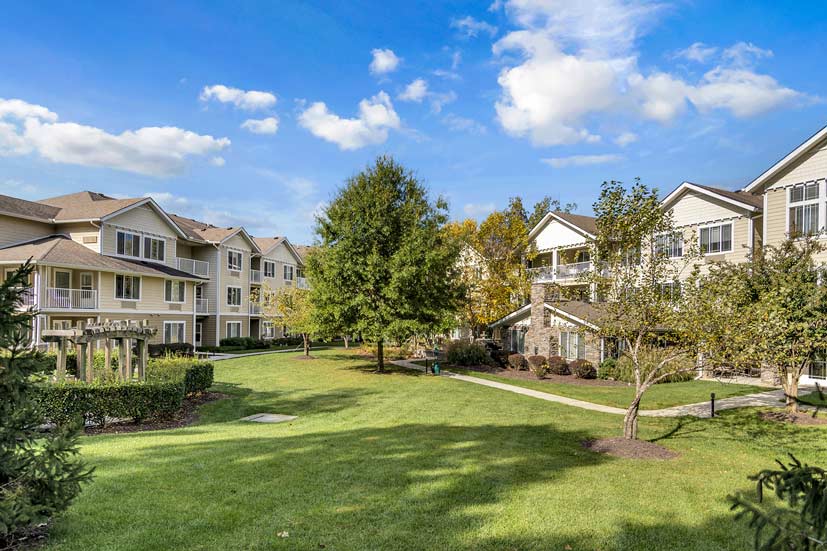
<point>40,473</point>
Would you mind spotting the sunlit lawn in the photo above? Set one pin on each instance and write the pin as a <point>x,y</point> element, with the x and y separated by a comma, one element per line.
<point>406,461</point>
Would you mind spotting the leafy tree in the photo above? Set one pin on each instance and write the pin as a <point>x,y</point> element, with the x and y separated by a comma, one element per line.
<point>643,311</point>
<point>384,248</point>
<point>543,207</point>
<point>802,525</point>
<point>40,473</point>
<point>289,306</point>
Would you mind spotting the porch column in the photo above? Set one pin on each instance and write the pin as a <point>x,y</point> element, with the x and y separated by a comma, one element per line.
<point>554,262</point>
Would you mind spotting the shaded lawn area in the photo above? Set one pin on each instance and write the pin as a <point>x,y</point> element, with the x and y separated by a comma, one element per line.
<point>405,461</point>
<point>238,350</point>
<point>815,398</point>
<point>657,397</point>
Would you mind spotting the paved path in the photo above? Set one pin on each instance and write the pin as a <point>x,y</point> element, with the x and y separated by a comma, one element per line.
<point>770,398</point>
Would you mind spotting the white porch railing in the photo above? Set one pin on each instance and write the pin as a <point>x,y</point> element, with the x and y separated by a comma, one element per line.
<point>255,276</point>
<point>255,309</point>
<point>202,306</point>
<point>541,273</point>
<point>195,267</point>
<point>301,283</point>
<point>71,299</point>
<point>570,271</point>
<point>27,297</point>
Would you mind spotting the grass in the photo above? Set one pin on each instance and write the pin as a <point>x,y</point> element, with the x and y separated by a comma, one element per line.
<point>814,398</point>
<point>238,350</point>
<point>404,461</point>
<point>657,397</point>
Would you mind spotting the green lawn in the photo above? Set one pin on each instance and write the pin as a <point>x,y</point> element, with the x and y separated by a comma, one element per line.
<point>405,461</point>
<point>657,397</point>
<point>815,398</point>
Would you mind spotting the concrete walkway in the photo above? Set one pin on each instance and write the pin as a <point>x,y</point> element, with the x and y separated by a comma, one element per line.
<point>765,399</point>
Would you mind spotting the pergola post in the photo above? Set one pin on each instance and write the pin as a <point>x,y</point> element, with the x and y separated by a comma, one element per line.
<point>122,359</point>
<point>81,359</point>
<point>61,359</point>
<point>127,343</point>
<point>107,355</point>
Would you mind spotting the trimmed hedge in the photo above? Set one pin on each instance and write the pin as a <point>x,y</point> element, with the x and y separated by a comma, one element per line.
<point>583,369</point>
<point>538,365</point>
<point>466,353</point>
<point>517,361</point>
<point>500,357</point>
<point>607,369</point>
<point>177,349</point>
<point>249,343</point>
<point>196,376</point>
<point>67,402</point>
<point>558,365</point>
<point>50,359</point>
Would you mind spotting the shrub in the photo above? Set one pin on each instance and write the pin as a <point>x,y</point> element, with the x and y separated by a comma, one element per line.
<point>607,369</point>
<point>178,349</point>
<point>538,366</point>
<point>517,361</point>
<point>558,366</point>
<point>98,360</point>
<point>466,353</point>
<point>583,369</point>
<point>68,402</point>
<point>626,373</point>
<point>499,357</point>
<point>196,375</point>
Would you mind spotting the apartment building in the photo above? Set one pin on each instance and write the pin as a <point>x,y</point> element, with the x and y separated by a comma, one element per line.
<point>97,257</point>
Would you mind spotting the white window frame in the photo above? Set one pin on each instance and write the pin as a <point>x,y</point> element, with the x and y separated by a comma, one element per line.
<point>577,345</point>
<point>198,336</point>
<point>140,288</point>
<point>231,266</point>
<point>272,265</point>
<point>268,330</point>
<point>240,295</point>
<point>54,284</point>
<point>674,242</point>
<point>146,250</point>
<point>134,235</point>
<point>818,202</point>
<point>719,224</point>
<point>91,281</point>
<point>285,271</point>
<point>177,322</point>
<point>175,281</point>
<point>227,329</point>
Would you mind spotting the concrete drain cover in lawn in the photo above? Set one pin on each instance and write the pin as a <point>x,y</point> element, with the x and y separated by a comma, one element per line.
<point>269,418</point>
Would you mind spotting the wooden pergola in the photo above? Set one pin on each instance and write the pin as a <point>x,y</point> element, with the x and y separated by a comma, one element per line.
<point>87,335</point>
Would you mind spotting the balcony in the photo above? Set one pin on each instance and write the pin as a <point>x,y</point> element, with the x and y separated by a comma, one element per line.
<point>255,309</point>
<point>564,272</point>
<point>71,299</point>
<point>573,271</point>
<point>194,267</point>
<point>202,306</point>
<point>301,283</point>
<point>255,276</point>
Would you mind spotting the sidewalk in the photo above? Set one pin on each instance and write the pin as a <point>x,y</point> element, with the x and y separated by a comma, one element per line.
<point>764,399</point>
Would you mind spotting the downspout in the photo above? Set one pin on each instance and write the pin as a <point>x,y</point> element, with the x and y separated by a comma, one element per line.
<point>217,294</point>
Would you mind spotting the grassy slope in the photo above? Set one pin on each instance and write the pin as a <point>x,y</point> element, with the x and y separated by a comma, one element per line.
<point>403,461</point>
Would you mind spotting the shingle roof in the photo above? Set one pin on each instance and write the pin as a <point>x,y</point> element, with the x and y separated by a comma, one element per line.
<point>742,196</point>
<point>201,231</point>
<point>303,251</point>
<point>60,250</point>
<point>587,311</point>
<point>267,243</point>
<point>586,223</point>
<point>87,205</point>
<point>27,209</point>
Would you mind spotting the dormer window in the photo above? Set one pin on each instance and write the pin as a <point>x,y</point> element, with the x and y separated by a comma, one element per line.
<point>128,244</point>
<point>234,261</point>
<point>154,249</point>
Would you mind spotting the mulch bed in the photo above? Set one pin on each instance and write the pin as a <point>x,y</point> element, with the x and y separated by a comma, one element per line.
<point>187,415</point>
<point>31,539</point>
<point>800,418</point>
<point>550,378</point>
<point>629,449</point>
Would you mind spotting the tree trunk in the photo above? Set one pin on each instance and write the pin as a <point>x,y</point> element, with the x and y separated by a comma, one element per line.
<point>306,344</point>
<point>380,356</point>
<point>790,384</point>
<point>630,419</point>
<point>345,338</point>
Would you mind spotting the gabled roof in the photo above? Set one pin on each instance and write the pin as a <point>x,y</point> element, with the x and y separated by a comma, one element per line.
<point>578,311</point>
<point>30,210</point>
<point>266,244</point>
<point>88,205</point>
<point>196,230</point>
<point>59,250</point>
<point>787,161</point>
<point>586,225</point>
<point>740,199</point>
<point>305,250</point>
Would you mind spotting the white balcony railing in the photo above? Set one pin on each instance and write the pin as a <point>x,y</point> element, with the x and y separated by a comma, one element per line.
<point>571,271</point>
<point>194,267</point>
<point>541,273</point>
<point>255,276</point>
<point>202,306</point>
<point>71,299</point>
<point>255,309</point>
<point>301,283</point>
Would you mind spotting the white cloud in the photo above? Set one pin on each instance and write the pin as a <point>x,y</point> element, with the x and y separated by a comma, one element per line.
<point>270,125</point>
<point>661,96</point>
<point>582,160</point>
<point>415,91</point>
<point>745,54</point>
<point>439,100</point>
<point>376,117</point>
<point>19,187</point>
<point>740,91</point>
<point>456,59</point>
<point>155,151</point>
<point>698,52</point>
<point>251,100</point>
<point>626,138</point>
<point>478,209</point>
<point>167,200</point>
<point>463,124</point>
<point>218,161</point>
<point>384,61</point>
<point>471,28</point>
<point>447,75</point>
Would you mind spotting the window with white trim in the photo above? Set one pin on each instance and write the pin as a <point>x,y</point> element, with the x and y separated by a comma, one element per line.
<point>127,287</point>
<point>669,245</point>
<point>233,296</point>
<point>818,366</point>
<point>175,291</point>
<point>234,259</point>
<point>128,244</point>
<point>716,239</point>
<point>154,248</point>
<point>268,330</point>
<point>572,345</point>
<point>670,290</point>
<point>233,329</point>
<point>803,210</point>
<point>288,272</point>
<point>269,268</point>
<point>174,331</point>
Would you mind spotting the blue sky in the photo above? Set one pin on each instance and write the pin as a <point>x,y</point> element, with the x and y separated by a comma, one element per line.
<point>254,113</point>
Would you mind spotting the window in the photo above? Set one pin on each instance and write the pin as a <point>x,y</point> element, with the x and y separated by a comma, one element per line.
<point>269,269</point>
<point>288,272</point>
<point>818,366</point>
<point>175,291</point>
<point>268,330</point>
<point>174,331</point>
<point>546,318</point>
<point>154,249</point>
<point>63,279</point>
<point>670,290</point>
<point>234,296</point>
<point>199,332</point>
<point>803,213</point>
<point>716,239</point>
<point>582,256</point>
<point>127,287</point>
<point>128,244</point>
<point>234,261</point>
<point>86,281</point>
<point>572,345</point>
<point>233,329</point>
<point>669,245</point>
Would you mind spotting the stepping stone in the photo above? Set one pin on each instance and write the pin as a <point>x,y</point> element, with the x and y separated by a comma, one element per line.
<point>269,418</point>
